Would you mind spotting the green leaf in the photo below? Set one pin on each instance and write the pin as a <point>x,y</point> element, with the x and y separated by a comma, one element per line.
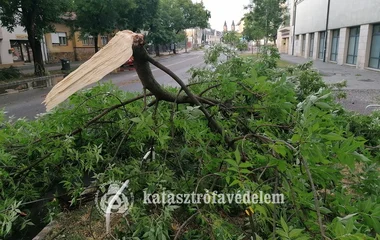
<point>333,137</point>
<point>136,120</point>
<point>361,157</point>
<point>245,165</point>
<point>323,105</point>
<point>234,182</point>
<point>295,233</point>
<point>339,229</point>
<point>232,162</point>
<point>237,155</point>
<point>284,225</point>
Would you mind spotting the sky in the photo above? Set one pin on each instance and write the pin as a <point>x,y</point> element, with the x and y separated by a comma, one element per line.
<point>225,10</point>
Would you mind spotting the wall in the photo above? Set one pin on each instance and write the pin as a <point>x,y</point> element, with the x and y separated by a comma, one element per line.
<point>56,51</point>
<point>311,14</point>
<point>5,45</point>
<point>345,13</point>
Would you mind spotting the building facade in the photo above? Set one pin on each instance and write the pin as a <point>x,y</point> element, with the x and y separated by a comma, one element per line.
<point>352,35</point>
<point>61,44</point>
<point>284,34</point>
<point>14,47</point>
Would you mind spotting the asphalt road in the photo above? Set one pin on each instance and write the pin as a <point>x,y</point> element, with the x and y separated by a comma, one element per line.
<point>29,103</point>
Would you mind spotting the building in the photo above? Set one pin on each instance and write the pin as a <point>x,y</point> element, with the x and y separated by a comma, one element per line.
<point>233,26</point>
<point>225,29</point>
<point>352,36</point>
<point>65,44</point>
<point>197,36</point>
<point>240,26</point>
<point>284,34</point>
<point>14,47</point>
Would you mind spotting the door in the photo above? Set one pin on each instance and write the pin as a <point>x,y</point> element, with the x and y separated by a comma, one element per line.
<point>353,45</point>
<point>334,45</point>
<point>311,51</point>
<point>303,44</point>
<point>374,60</point>
<point>322,37</point>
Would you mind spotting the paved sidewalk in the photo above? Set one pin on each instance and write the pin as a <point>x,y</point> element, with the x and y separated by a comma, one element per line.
<point>363,86</point>
<point>332,73</point>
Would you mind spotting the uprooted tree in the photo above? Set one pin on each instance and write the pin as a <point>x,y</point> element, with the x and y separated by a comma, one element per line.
<point>244,127</point>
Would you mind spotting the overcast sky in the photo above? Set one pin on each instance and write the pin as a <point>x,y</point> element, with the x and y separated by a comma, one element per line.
<point>225,10</point>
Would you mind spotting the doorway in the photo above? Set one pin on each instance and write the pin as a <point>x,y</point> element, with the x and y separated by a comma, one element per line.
<point>21,51</point>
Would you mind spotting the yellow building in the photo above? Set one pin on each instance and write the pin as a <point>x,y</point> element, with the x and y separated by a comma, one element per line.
<point>65,44</point>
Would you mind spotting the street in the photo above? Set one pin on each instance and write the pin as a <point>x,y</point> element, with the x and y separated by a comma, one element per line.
<point>29,103</point>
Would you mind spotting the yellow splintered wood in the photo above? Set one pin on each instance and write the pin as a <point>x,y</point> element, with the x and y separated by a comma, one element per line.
<point>110,57</point>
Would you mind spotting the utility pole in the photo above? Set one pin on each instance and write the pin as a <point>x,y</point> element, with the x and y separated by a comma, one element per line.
<point>294,25</point>
<point>327,30</point>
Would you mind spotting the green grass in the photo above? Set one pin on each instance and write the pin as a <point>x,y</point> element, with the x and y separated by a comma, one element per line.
<point>280,63</point>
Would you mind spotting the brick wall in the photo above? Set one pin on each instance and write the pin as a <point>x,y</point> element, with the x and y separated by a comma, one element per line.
<point>84,53</point>
<point>55,57</point>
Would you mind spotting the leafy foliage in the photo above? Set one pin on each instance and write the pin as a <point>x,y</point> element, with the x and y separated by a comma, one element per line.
<point>283,129</point>
<point>264,19</point>
<point>174,17</point>
<point>9,73</point>
<point>95,18</point>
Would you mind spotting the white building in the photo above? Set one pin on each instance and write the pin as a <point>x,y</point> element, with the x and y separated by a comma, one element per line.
<point>353,31</point>
<point>14,47</point>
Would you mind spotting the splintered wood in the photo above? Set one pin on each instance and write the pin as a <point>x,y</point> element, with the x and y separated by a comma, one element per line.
<point>112,56</point>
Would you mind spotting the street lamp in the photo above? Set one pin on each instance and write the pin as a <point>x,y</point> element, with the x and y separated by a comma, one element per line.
<point>326,32</point>
<point>294,23</point>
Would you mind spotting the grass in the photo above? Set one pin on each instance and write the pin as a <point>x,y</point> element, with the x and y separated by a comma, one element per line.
<point>280,63</point>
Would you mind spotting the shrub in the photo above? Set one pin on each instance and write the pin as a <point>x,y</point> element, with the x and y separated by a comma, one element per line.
<point>9,73</point>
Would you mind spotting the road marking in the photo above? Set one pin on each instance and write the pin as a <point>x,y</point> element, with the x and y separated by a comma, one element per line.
<point>171,64</point>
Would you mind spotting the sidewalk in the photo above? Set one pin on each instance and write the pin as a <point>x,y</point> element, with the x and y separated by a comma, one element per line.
<point>333,73</point>
<point>363,86</point>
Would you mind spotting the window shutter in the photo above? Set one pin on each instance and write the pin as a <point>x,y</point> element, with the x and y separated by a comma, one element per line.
<point>54,38</point>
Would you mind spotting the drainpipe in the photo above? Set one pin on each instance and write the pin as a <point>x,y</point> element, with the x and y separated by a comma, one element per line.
<point>294,25</point>
<point>327,28</point>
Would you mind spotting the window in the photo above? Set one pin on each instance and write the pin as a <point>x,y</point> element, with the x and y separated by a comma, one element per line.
<point>353,44</point>
<point>334,45</point>
<point>89,40</point>
<point>322,37</point>
<point>303,44</point>
<point>104,40</point>
<point>311,51</point>
<point>59,38</point>
<point>374,59</point>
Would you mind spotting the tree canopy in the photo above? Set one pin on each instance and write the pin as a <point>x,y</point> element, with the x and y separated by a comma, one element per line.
<point>173,17</point>
<point>37,17</point>
<point>96,17</point>
<point>264,19</point>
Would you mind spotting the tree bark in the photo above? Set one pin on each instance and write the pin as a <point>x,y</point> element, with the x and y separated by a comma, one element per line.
<point>35,45</point>
<point>157,49</point>
<point>96,44</point>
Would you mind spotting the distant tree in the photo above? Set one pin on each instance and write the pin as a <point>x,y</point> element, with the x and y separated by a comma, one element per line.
<point>231,38</point>
<point>264,19</point>
<point>37,17</point>
<point>140,17</point>
<point>97,17</point>
<point>173,17</point>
